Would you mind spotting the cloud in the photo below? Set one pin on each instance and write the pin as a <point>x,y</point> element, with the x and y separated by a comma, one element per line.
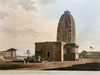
<point>15,33</point>
<point>8,6</point>
<point>3,15</point>
<point>25,4</point>
<point>46,1</point>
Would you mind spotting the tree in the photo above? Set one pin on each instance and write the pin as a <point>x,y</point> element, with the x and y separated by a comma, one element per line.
<point>28,53</point>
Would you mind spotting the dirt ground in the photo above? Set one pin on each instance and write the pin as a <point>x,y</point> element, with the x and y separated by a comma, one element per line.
<point>80,67</point>
<point>52,65</point>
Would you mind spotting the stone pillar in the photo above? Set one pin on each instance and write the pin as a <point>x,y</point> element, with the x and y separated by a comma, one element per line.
<point>62,53</point>
<point>62,50</point>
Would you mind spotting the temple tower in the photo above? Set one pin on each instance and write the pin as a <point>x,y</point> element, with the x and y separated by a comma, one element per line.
<point>66,28</point>
<point>66,33</point>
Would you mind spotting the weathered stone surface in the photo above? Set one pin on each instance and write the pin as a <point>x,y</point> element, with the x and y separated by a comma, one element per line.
<point>71,51</point>
<point>66,28</point>
<point>48,51</point>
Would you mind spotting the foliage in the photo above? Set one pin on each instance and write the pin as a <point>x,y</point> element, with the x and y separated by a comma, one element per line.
<point>30,59</point>
<point>28,52</point>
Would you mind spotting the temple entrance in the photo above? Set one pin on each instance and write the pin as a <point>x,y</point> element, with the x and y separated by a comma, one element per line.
<point>48,54</point>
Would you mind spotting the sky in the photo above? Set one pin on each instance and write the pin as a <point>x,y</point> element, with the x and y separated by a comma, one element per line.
<point>24,22</point>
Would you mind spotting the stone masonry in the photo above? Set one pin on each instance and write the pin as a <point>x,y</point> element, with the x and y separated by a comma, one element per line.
<point>66,28</point>
<point>48,51</point>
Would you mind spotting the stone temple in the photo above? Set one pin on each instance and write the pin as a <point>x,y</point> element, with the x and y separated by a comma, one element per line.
<point>65,48</point>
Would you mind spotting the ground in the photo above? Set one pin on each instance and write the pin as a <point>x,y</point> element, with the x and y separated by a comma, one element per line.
<point>84,64</point>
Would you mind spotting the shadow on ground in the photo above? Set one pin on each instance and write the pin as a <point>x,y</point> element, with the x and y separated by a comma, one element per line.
<point>81,67</point>
<point>12,66</point>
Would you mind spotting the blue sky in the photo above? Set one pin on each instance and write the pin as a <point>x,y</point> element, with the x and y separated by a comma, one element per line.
<point>86,16</point>
<point>24,22</point>
<point>85,13</point>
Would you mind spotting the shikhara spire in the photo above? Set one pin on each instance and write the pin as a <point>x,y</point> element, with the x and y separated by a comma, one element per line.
<point>66,28</point>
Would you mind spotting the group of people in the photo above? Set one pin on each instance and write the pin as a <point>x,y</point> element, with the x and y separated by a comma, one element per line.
<point>39,60</point>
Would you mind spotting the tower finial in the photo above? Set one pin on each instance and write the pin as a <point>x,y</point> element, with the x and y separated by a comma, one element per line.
<point>67,11</point>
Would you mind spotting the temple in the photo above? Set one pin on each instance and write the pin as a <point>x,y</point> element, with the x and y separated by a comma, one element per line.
<point>65,48</point>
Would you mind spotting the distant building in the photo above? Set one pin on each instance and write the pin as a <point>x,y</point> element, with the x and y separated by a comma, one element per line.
<point>9,54</point>
<point>90,54</point>
<point>65,48</point>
